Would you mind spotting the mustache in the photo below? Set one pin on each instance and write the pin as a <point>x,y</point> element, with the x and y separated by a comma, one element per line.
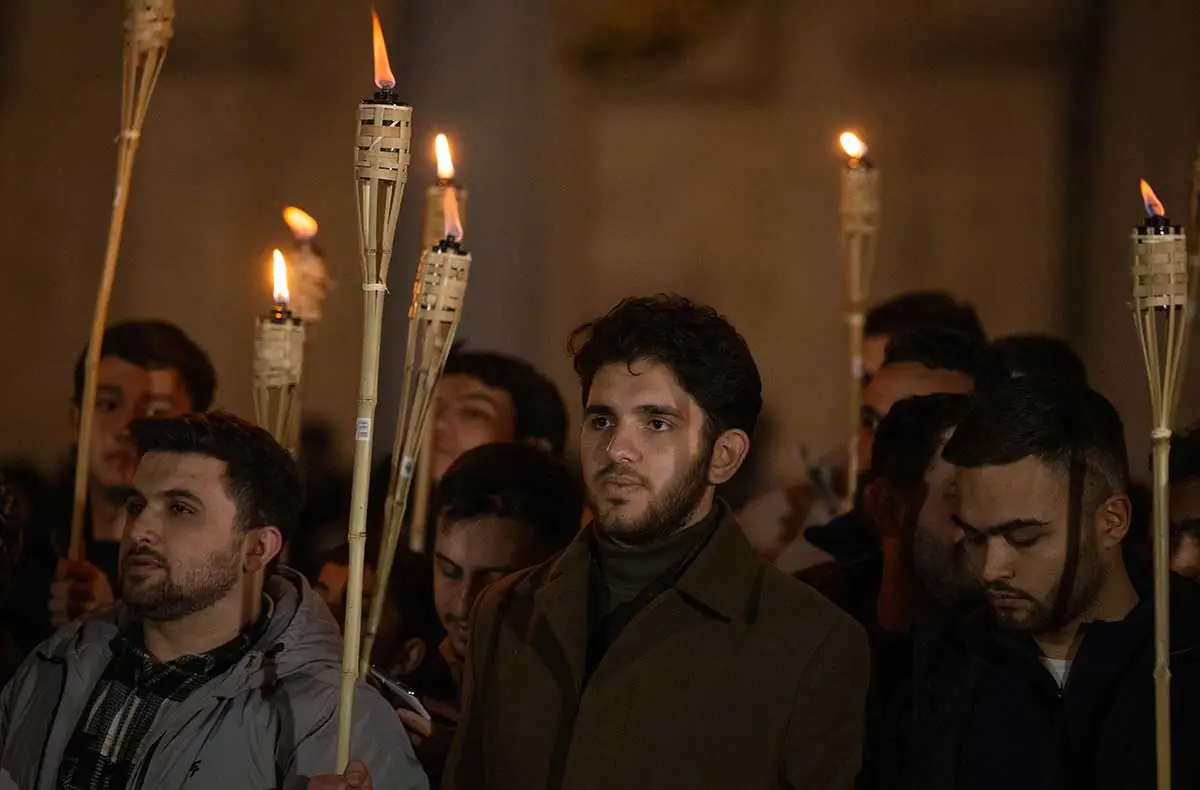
<point>1001,588</point>
<point>615,469</point>
<point>145,551</point>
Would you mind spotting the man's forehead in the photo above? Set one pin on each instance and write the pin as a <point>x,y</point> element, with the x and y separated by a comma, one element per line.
<point>164,470</point>
<point>1019,487</point>
<point>637,383</point>
<point>461,385</point>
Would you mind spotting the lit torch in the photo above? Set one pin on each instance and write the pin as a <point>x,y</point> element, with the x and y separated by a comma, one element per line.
<point>438,293</point>
<point>1161,314</point>
<point>310,282</point>
<point>381,170</point>
<point>859,213</point>
<point>278,363</point>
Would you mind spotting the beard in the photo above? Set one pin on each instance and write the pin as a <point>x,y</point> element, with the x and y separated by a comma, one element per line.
<point>664,514</point>
<point>167,597</point>
<point>942,570</point>
<point>1045,614</point>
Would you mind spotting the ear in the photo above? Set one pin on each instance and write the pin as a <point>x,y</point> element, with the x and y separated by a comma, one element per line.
<point>887,510</point>
<point>262,546</point>
<point>1112,521</point>
<point>410,655</point>
<point>729,451</point>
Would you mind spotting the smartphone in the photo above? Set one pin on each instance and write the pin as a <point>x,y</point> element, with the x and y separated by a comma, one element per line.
<point>398,694</point>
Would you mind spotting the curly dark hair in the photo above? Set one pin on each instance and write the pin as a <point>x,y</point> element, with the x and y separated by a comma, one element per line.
<point>1054,420</point>
<point>518,482</point>
<point>540,412</point>
<point>707,355</point>
<point>157,345</point>
<point>946,349</point>
<point>260,475</point>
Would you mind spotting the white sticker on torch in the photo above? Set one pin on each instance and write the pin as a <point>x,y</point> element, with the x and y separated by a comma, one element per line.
<point>362,429</point>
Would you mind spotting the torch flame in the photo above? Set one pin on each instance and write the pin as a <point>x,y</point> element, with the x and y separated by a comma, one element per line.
<point>301,223</point>
<point>453,224</point>
<point>383,71</point>
<point>1154,208</point>
<point>281,286</point>
<point>445,164</point>
<point>852,145</point>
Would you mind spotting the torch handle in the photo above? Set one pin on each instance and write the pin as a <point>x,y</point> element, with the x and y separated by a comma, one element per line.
<point>1162,608</point>
<point>356,535</point>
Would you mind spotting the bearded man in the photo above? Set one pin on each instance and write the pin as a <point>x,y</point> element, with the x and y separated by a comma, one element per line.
<point>1054,689</point>
<point>658,650</point>
<point>217,669</point>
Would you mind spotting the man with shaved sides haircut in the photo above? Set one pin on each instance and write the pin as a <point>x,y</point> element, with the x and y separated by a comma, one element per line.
<point>658,650</point>
<point>1052,687</point>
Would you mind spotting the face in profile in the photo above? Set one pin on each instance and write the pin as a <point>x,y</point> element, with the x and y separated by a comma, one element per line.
<point>468,556</point>
<point>894,383</point>
<point>469,414</point>
<point>645,458</point>
<point>124,393</point>
<point>1015,521</point>
<point>182,549</point>
<point>939,550</point>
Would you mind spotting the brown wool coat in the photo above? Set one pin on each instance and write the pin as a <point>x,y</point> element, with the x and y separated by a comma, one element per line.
<point>736,677</point>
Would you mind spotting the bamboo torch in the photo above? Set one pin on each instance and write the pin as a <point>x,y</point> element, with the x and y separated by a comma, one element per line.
<point>148,28</point>
<point>1160,313</point>
<point>381,171</point>
<point>433,225</point>
<point>438,293</point>
<point>859,213</point>
<point>278,362</point>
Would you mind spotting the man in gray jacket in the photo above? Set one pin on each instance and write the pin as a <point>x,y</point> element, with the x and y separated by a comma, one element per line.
<point>217,669</point>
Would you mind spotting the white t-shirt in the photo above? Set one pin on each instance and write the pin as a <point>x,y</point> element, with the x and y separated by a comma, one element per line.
<point>1059,668</point>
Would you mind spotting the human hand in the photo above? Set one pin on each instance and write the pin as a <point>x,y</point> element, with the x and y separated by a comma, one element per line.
<point>356,777</point>
<point>78,588</point>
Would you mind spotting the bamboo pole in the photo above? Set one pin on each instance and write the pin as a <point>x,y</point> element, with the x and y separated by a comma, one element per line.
<point>1161,293</point>
<point>381,171</point>
<point>859,213</point>
<point>148,28</point>
<point>419,522</point>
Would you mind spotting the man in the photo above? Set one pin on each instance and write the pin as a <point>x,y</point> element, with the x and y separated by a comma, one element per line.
<point>909,311</point>
<point>1058,693</point>
<point>1185,503</point>
<point>147,369</point>
<point>487,398</point>
<point>217,669</point>
<point>919,362</point>
<point>638,656</point>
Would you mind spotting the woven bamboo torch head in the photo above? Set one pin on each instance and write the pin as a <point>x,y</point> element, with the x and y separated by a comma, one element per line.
<point>859,206</point>
<point>149,24</point>
<point>442,274</point>
<point>1159,260</point>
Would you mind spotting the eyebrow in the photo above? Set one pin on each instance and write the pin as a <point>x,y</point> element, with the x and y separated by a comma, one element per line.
<point>646,410</point>
<point>181,493</point>
<point>1002,528</point>
<point>505,569</point>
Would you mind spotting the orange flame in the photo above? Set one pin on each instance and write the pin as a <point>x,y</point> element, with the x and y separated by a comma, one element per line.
<point>301,223</point>
<point>280,276</point>
<point>854,147</point>
<point>383,71</point>
<point>453,224</point>
<point>1154,207</point>
<point>445,164</point>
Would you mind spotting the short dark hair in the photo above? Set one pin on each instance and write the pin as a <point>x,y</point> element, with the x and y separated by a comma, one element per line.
<point>938,348</point>
<point>1033,354</point>
<point>1185,454</point>
<point>1055,421</point>
<point>909,436</point>
<point>708,356</point>
<point>922,309</point>
<point>513,481</point>
<point>157,345</point>
<point>540,412</point>
<point>260,475</point>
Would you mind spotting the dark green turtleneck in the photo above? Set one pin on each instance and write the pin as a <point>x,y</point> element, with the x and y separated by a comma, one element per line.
<point>625,578</point>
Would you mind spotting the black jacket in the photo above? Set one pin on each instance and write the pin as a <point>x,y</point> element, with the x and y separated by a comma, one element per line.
<point>985,713</point>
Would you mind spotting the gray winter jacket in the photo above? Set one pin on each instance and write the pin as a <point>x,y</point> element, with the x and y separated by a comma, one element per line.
<point>269,722</point>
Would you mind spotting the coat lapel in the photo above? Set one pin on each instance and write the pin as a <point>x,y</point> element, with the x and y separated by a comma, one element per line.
<point>563,603</point>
